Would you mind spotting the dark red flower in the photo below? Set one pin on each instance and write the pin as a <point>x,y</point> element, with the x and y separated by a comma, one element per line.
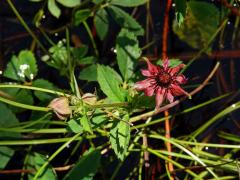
<point>164,81</point>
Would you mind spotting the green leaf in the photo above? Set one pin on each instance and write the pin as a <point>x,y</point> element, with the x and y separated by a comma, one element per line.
<point>84,121</point>
<point>74,126</point>
<point>128,52</point>
<point>201,22</point>
<point>59,55</point>
<point>125,20</point>
<point>38,18</point>
<point>87,60</point>
<point>69,3</point>
<point>20,95</point>
<point>180,9</point>
<point>80,52</point>
<point>12,70</point>
<point>101,23</point>
<point>25,97</point>
<point>109,83</point>
<point>89,73</point>
<point>144,102</point>
<point>53,8</point>
<point>86,167</point>
<point>120,137</point>
<point>7,119</point>
<point>99,119</point>
<point>97,1</point>
<point>35,161</point>
<point>128,3</point>
<point>172,62</point>
<point>59,58</point>
<point>23,67</point>
<point>5,155</point>
<point>81,15</point>
<point>42,96</point>
<point>36,0</point>
<point>179,18</point>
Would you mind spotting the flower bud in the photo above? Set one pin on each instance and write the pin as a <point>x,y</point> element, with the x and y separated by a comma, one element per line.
<point>61,107</point>
<point>89,98</point>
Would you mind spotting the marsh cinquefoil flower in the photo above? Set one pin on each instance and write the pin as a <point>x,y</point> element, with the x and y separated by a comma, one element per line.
<point>163,81</point>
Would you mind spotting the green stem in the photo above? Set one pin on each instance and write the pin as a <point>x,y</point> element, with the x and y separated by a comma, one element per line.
<point>194,157</point>
<point>198,143</point>
<point>123,104</point>
<point>42,168</point>
<point>227,165</point>
<point>74,150</point>
<point>46,36</point>
<point>25,106</point>
<point>140,169</point>
<point>148,45</point>
<point>36,131</point>
<point>154,152</point>
<point>23,125</point>
<point>40,141</point>
<point>33,88</point>
<point>31,123</point>
<point>235,29</point>
<point>91,38</point>
<point>136,118</point>
<point>228,136</point>
<point>71,67</point>
<point>226,111</point>
<point>25,25</point>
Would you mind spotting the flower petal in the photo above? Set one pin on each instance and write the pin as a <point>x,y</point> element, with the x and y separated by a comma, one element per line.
<point>149,91</point>
<point>159,97</point>
<point>170,97</point>
<point>146,72</point>
<point>141,85</point>
<point>181,79</point>
<point>177,90</point>
<point>165,64</point>
<point>152,68</point>
<point>175,70</point>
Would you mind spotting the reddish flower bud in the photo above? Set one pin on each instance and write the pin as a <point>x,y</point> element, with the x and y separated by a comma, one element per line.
<point>89,98</point>
<point>61,108</point>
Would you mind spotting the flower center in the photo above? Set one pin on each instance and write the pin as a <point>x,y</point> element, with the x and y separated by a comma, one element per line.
<point>164,79</point>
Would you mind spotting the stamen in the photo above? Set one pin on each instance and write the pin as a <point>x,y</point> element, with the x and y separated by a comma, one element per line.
<point>163,79</point>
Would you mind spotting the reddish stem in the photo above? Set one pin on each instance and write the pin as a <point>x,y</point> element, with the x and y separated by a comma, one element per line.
<point>168,135</point>
<point>164,57</point>
<point>165,30</point>
<point>229,6</point>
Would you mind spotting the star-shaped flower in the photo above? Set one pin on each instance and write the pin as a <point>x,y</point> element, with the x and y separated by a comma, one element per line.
<point>163,81</point>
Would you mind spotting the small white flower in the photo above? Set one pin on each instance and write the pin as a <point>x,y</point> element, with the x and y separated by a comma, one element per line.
<point>23,67</point>
<point>21,74</point>
<point>31,76</point>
